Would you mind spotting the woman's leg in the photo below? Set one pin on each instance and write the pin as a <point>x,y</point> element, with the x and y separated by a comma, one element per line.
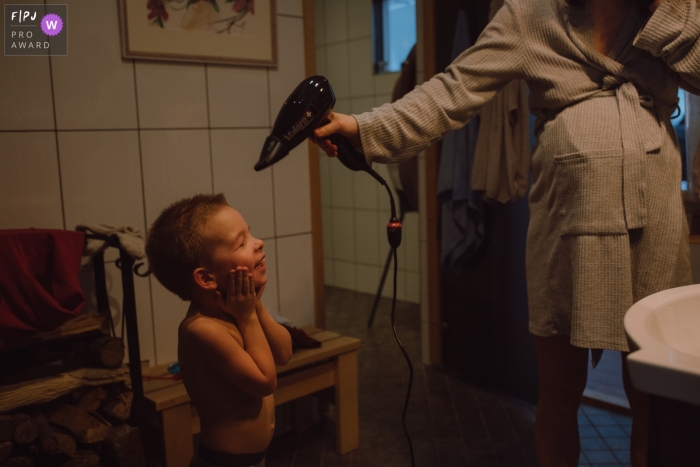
<point>562,377</point>
<point>639,406</point>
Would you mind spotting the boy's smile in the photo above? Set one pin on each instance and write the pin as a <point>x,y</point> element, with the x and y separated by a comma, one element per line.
<point>234,246</point>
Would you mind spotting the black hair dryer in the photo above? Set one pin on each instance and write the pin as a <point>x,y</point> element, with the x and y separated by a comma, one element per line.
<point>304,110</point>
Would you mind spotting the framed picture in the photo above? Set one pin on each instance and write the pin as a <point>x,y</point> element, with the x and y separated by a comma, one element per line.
<point>207,31</point>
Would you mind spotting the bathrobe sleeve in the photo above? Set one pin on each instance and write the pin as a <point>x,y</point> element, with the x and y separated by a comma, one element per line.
<point>395,132</point>
<point>672,33</point>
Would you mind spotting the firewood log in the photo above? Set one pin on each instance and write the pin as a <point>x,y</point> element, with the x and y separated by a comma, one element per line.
<point>92,398</point>
<point>119,407</point>
<point>107,351</point>
<point>98,429</point>
<point>5,450</point>
<point>26,429</point>
<point>19,461</point>
<point>123,448</point>
<point>7,428</point>
<point>83,459</point>
<point>74,419</point>
<point>47,442</point>
<point>66,443</point>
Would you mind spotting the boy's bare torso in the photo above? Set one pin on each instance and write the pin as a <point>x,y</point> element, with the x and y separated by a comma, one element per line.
<point>231,420</point>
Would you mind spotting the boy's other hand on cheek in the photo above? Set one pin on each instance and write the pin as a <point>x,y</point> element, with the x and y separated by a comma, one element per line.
<point>240,297</point>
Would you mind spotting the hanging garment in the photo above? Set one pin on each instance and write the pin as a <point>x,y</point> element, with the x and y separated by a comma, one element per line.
<point>39,283</point>
<point>462,211</point>
<point>502,155</point>
<point>607,223</point>
<point>129,239</point>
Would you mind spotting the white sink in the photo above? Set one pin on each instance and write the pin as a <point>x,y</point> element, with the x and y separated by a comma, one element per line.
<point>664,335</point>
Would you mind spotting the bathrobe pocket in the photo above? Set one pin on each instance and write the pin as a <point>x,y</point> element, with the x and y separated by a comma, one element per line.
<point>588,193</point>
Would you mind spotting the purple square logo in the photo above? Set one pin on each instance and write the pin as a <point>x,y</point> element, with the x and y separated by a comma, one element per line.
<point>36,29</point>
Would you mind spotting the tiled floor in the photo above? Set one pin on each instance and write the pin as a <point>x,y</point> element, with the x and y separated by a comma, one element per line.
<point>451,422</point>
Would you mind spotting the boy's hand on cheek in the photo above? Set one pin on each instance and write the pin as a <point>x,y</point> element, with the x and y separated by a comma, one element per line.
<point>240,294</point>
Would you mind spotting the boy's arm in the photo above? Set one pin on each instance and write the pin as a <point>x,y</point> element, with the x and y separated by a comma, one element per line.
<point>249,367</point>
<point>277,336</point>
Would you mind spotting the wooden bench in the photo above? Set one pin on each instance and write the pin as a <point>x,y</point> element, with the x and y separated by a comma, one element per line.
<point>333,365</point>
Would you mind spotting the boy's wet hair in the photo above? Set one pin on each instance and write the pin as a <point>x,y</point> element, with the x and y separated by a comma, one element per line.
<point>176,244</point>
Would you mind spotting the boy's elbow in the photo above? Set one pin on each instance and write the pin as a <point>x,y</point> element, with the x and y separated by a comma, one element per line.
<point>283,357</point>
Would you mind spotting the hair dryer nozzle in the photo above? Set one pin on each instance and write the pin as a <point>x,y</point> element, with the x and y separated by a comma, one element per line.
<point>305,108</point>
<point>273,150</point>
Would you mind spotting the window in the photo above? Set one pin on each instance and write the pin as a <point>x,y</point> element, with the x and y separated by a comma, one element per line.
<point>394,27</point>
<point>678,122</point>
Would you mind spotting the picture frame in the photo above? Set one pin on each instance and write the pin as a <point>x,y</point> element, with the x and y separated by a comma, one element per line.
<point>234,32</point>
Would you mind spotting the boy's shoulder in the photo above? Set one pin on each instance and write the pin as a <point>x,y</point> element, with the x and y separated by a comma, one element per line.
<point>196,327</point>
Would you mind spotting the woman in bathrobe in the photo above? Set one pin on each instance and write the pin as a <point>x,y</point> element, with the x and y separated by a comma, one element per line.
<point>607,223</point>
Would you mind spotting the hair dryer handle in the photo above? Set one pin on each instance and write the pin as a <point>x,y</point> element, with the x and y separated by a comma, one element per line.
<point>350,158</point>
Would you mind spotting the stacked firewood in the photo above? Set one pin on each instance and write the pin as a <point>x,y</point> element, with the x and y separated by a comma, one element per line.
<point>65,399</point>
<point>82,429</point>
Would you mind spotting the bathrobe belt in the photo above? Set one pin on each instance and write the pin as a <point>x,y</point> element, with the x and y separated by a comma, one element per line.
<point>634,149</point>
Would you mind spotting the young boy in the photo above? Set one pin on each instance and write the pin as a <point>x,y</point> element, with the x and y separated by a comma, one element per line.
<point>228,344</point>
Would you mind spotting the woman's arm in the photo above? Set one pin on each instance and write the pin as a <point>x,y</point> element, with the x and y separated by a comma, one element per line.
<point>394,132</point>
<point>672,33</point>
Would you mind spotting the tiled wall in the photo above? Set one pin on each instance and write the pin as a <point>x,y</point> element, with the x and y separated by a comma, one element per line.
<point>91,138</point>
<point>355,206</point>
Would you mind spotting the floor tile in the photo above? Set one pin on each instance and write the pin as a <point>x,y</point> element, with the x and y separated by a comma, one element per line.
<point>451,421</point>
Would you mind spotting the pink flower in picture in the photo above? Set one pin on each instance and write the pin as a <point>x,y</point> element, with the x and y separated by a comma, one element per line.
<point>244,5</point>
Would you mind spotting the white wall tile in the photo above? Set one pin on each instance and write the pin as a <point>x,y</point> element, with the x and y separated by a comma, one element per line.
<point>400,284</point>
<point>410,242</point>
<point>361,104</point>
<point>93,86</point>
<point>25,93</point>
<point>412,287</point>
<point>359,19</point>
<point>384,83</point>
<point>289,7</point>
<point>176,164</point>
<point>342,185</point>
<point>234,153</point>
<point>292,196</point>
<point>30,193</point>
<point>321,61</point>
<point>294,260</point>
<point>342,105</point>
<point>368,278</point>
<point>345,275</point>
<point>344,235</point>
<point>338,69</point>
<point>270,296</point>
<point>336,20</point>
<point>171,95</point>
<point>238,96</point>
<point>365,191</point>
<point>101,175</point>
<point>328,240</point>
<point>329,272</point>
<point>381,99</point>
<point>319,22</point>
<point>366,237</point>
<point>324,163</point>
<point>290,63</point>
<point>168,313</point>
<point>361,68</point>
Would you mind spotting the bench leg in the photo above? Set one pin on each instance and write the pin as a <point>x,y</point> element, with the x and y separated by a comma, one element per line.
<point>177,434</point>
<point>347,428</point>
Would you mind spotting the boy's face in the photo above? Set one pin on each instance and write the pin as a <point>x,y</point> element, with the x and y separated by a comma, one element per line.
<point>234,246</point>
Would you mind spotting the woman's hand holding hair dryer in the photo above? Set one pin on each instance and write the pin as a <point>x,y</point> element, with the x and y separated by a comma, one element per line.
<point>346,125</point>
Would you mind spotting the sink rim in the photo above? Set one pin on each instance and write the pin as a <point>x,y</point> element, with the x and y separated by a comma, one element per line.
<point>676,372</point>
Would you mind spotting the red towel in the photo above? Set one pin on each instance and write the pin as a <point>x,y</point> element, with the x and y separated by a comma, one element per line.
<point>39,283</point>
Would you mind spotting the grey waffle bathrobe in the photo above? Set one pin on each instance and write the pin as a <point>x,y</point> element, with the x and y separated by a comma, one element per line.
<point>607,224</point>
